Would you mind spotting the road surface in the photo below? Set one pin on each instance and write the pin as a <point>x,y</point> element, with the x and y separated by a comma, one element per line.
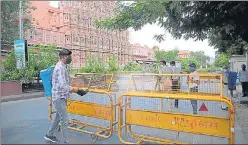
<point>26,121</point>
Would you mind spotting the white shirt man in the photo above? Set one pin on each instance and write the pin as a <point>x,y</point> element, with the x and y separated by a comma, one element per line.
<point>194,82</point>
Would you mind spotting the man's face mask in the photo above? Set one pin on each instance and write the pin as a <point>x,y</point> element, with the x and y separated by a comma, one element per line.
<point>192,69</point>
<point>226,70</point>
<point>68,60</point>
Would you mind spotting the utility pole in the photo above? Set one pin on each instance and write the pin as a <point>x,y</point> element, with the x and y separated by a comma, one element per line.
<point>201,59</point>
<point>20,20</point>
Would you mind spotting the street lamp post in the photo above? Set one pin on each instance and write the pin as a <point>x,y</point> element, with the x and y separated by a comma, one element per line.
<point>20,20</point>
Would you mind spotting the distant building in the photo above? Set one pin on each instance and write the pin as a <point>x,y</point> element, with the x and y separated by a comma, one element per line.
<point>184,54</point>
<point>71,26</point>
<point>142,53</point>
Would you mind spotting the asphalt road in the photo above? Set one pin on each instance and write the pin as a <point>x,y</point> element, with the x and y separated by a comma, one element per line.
<point>26,121</point>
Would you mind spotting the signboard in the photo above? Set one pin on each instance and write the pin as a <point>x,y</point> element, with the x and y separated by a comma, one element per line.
<point>21,53</point>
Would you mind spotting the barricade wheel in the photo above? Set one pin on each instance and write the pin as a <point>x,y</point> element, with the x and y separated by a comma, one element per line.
<point>94,137</point>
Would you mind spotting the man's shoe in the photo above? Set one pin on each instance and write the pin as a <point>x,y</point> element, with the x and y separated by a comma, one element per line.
<point>51,139</point>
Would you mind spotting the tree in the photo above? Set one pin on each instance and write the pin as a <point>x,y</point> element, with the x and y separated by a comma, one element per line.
<point>200,56</point>
<point>9,15</point>
<point>112,64</point>
<point>222,60</point>
<point>94,64</point>
<point>40,57</point>
<point>222,22</point>
<point>186,61</point>
<point>167,56</point>
<point>131,66</point>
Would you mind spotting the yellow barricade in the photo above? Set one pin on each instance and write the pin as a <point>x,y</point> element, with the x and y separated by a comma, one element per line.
<point>147,114</point>
<point>94,113</point>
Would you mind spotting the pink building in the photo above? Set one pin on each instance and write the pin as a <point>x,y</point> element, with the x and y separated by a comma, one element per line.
<point>142,52</point>
<point>71,26</point>
<point>183,54</point>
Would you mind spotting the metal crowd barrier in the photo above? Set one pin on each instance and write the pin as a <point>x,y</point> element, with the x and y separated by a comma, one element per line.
<point>147,111</point>
<point>94,113</point>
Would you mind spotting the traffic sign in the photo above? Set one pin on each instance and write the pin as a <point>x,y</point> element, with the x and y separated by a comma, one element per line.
<point>203,107</point>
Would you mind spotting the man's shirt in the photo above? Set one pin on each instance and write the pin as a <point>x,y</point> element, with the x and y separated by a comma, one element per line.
<point>60,82</point>
<point>165,70</point>
<point>175,70</point>
<point>243,76</point>
<point>194,78</point>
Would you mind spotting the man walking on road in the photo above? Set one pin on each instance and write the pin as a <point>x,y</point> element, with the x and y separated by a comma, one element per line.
<point>194,82</point>
<point>243,76</point>
<point>60,93</point>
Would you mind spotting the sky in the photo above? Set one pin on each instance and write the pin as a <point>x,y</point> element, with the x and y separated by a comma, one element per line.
<point>146,34</point>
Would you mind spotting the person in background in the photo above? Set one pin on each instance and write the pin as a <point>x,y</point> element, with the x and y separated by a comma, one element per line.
<point>184,82</point>
<point>243,76</point>
<point>194,82</point>
<point>164,69</point>
<point>175,79</point>
<point>226,70</point>
<point>60,93</point>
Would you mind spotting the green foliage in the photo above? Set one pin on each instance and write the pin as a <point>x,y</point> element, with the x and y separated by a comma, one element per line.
<point>9,14</point>
<point>40,57</point>
<point>94,64</point>
<point>222,60</point>
<point>186,61</point>
<point>112,64</point>
<point>132,67</point>
<point>167,56</point>
<point>200,56</point>
<point>155,67</point>
<point>222,22</point>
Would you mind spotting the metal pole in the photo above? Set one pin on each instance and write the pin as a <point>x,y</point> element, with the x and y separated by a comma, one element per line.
<point>246,54</point>
<point>20,20</point>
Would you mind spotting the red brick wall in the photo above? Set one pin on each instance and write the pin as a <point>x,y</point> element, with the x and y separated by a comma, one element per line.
<point>10,88</point>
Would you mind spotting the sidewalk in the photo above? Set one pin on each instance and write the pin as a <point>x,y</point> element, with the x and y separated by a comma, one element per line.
<point>241,111</point>
<point>22,96</point>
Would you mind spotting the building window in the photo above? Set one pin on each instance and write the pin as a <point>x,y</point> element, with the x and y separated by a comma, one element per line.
<point>95,40</point>
<point>75,38</point>
<point>102,42</point>
<point>31,35</point>
<point>40,36</point>
<point>66,16</point>
<point>67,38</point>
<point>61,39</point>
<point>55,39</point>
<point>82,40</point>
<point>47,37</point>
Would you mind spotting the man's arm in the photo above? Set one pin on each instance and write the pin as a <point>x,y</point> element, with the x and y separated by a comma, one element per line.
<point>62,82</point>
<point>196,80</point>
